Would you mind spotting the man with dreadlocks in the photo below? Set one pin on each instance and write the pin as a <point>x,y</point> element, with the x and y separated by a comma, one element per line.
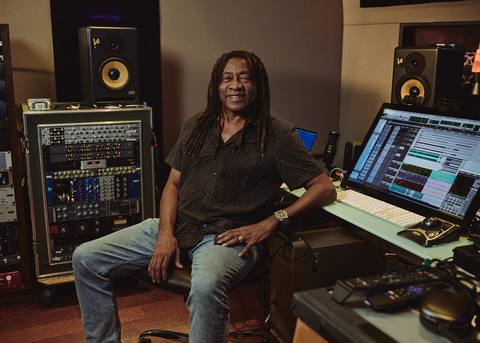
<point>229,161</point>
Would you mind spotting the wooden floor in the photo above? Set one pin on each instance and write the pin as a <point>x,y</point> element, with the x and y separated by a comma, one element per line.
<point>30,320</point>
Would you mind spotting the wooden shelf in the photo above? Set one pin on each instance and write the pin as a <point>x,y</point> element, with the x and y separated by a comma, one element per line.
<point>464,34</point>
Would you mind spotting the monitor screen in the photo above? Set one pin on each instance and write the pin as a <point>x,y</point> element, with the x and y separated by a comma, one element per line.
<point>308,137</point>
<point>422,160</point>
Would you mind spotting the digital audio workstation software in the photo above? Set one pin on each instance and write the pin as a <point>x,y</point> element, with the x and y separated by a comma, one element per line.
<point>425,161</point>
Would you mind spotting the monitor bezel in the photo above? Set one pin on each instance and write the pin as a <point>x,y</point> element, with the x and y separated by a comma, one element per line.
<point>404,202</point>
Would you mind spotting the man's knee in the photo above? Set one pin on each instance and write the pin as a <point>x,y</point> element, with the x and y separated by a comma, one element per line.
<point>207,290</point>
<point>81,255</point>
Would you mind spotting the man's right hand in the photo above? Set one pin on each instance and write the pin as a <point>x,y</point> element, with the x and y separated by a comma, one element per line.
<point>165,250</point>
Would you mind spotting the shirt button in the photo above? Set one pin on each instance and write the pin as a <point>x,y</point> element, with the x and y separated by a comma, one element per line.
<point>204,225</point>
<point>208,194</point>
<point>214,173</point>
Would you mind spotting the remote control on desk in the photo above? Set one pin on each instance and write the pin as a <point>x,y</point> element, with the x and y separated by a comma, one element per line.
<point>346,287</point>
<point>398,297</point>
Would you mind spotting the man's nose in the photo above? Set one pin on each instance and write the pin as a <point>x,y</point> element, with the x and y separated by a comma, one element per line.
<point>235,84</point>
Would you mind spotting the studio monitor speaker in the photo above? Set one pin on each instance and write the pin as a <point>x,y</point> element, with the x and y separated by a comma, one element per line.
<point>422,75</point>
<point>109,64</point>
<point>351,154</point>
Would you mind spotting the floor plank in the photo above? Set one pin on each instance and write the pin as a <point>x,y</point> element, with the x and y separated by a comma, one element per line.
<point>31,321</point>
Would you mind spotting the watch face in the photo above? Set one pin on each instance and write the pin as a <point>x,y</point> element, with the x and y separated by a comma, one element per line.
<point>281,215</point>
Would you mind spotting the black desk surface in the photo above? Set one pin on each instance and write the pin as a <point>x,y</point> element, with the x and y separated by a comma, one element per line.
<point>357,323</point>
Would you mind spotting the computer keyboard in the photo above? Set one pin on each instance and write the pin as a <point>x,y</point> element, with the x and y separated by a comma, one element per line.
<point>382,209</point>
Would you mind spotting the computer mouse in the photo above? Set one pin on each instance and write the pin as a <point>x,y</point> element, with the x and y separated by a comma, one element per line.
<point>432,223</point>
<point>445,309</point>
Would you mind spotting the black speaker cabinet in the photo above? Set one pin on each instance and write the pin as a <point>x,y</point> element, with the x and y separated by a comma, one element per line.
<point>422,75</point>
<point>109,64</point>
<point>315,259</point>
<point>351,154</point>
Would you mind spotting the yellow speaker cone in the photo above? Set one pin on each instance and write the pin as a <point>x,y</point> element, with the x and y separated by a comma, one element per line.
<point>409,86</point>
<point>115,74</point>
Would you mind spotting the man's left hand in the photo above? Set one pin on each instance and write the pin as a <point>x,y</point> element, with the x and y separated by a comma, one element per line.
<point>250,235</point>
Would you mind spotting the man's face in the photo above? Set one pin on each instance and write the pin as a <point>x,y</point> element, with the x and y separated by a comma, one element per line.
<point>237,89</point>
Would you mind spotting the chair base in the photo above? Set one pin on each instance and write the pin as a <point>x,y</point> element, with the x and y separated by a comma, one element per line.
<point>173,336</point>
<point>232,336</point>
<point>181,337</point>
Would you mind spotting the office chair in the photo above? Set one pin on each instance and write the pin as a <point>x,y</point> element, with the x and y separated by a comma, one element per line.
<point>178,282</point>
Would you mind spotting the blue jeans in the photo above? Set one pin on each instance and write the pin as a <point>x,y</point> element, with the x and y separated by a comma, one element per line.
<point>214,270</point>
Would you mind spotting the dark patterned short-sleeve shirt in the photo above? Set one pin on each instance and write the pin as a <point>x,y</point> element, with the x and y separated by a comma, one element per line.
<point>232,189</point>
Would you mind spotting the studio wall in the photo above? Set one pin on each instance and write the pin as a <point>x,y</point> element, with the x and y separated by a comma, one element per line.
<point>299,42</point>
<point>31,46</point>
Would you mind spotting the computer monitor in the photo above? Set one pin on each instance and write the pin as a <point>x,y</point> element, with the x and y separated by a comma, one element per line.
<point>425,161</point>
<point>308,137</point>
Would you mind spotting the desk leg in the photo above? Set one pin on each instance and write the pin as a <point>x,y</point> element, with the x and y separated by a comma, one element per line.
<point>304,333</point>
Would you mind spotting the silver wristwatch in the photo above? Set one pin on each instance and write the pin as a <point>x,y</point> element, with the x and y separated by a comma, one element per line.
<point>282,216</point>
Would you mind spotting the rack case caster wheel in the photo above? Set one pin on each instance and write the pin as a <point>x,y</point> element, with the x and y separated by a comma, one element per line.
<point>49,295</point>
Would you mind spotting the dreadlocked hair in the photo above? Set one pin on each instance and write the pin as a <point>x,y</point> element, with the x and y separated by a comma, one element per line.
<point>214,110</point>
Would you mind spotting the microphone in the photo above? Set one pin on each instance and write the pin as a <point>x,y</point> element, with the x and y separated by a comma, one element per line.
<point>330,149</point>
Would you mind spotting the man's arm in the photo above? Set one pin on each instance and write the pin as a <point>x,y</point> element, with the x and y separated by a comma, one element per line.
<point>166,247</point>
<point>320,192</point>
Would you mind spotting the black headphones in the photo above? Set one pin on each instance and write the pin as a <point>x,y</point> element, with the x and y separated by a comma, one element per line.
<point>450,312</point>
